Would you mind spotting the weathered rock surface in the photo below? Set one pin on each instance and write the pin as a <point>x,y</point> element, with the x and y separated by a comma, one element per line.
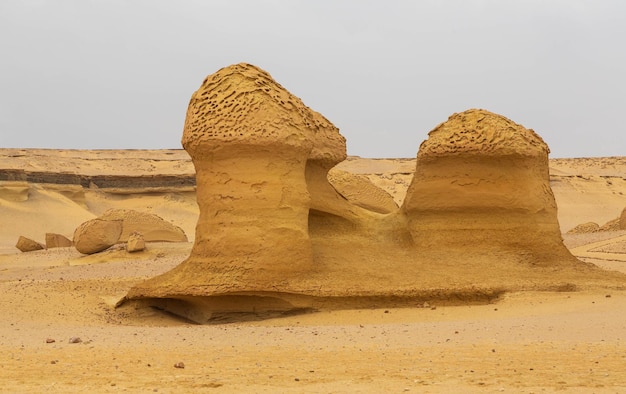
<point>274,235</point>
<point>251,142</point>
<point>481,187</point>
<point>28,245</point>
<point>360,191</point>
<point>622,220</point>
<point>135,243</point>
<point>151,226</point>
<point>57,241</point>
<point>96,235</point>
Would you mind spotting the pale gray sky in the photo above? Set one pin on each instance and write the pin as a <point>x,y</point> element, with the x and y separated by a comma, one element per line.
<point>119,73</point>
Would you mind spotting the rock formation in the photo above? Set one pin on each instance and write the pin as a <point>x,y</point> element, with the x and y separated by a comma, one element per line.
<point>96,235</point>
<point>152,227</point>
<point>622,220</point>
<point>57,241</point>
<point>481,186</point>
<point>274,235</point>
<point>253,144</point>
<point>28,245</point>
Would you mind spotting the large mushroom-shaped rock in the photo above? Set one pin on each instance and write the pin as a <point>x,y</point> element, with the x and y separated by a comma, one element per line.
<point>254,146</point>
<point>481,188</point>
<point>28,245</point>
<point>152,227</point>
<point>96,235</point>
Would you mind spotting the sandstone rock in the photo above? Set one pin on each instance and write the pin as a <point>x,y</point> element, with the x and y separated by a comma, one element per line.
<point>152,227</point>
<point>583,228</point>
<point>481,187</point>
<point>360,191</point>
<point>57,241</point>
<point>28,245</point>
<point>136,242</point>
<point>622,220</point>
<point>274,235</point>
<point>255,147</point>
<point>96,235</point>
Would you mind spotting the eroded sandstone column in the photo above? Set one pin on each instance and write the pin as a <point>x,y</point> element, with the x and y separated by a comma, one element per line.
<point>481,187</point>
<point>250,141</point>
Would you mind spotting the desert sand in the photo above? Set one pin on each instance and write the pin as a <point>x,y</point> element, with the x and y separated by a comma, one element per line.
<point>312,271</point>
<point>522,342</point>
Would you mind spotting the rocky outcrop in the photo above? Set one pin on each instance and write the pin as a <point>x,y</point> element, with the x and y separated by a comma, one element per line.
<point>274,235</point>
<point>96,235</point>
<point>152,227</point>
<point>57,241</point>
<point>28,245</point>
<point>622,220</point>
<point>481,188</point>
<point>251,143</point>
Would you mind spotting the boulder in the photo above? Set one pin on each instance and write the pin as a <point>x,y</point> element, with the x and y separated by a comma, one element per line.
<point>96,235</point>
<point>135,243</point>
<point>57,241</point>
<point>28,245</point>
<point>622,220</point>
<point>152,227</point>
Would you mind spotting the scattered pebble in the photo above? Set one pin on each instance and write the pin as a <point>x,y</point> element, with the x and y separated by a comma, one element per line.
<point>426,305</point>
<point>50,340</point>
<point>180,365</point>
<point>297,380</point>
<point>608,296</point>
<point>75,340</point>
<point>53,362</point>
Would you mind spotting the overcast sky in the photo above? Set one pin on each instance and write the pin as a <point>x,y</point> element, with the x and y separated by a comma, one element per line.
<point>113,74</point>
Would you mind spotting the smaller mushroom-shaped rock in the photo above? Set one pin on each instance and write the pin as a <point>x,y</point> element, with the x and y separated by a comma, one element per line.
<point>96,235</point>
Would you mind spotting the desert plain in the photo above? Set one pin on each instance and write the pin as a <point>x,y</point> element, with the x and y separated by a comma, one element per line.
<point>61,333</point>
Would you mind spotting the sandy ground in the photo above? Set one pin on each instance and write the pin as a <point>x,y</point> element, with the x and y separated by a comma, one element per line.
<point>525,342</point>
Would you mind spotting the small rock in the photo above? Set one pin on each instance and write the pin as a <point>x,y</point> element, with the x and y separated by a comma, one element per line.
<point>180,365</point>
<point>608,296</point>
<point>75,340</point>
<point>28,245</point>
<point>50,340</point>
<point>53,362</point>
<point>135,243</point>
<point>426,305</point>
<point>54,240</point>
